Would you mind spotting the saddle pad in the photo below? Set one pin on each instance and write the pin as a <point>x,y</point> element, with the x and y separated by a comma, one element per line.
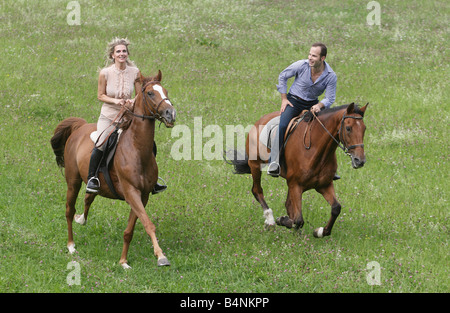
<point>94,135</point>
<point>270,130</point>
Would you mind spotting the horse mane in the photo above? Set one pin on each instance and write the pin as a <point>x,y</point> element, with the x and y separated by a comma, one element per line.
<point>145,80</point>
<point>309,116</point>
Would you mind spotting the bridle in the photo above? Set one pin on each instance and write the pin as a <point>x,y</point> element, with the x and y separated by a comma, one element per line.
<point>143,116</point>
<point>151,108</point>
<point>341,142</point>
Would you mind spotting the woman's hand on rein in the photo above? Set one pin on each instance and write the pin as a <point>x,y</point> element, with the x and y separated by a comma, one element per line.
<point>120,102</point>
<point>129,103</point>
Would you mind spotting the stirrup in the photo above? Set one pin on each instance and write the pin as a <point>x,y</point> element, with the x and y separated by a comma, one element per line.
<point>158,187</point>
<point>93,185</point>
<point>274,172</point>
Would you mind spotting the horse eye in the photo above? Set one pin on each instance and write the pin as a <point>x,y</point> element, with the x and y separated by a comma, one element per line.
<point>150,93</point>
<point>348,128</point>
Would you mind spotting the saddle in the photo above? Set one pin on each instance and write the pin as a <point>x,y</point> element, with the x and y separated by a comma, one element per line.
<point>108,155</point>
<point>270,130</point>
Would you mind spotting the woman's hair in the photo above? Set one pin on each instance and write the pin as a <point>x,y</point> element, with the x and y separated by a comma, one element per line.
<point>110,50</point>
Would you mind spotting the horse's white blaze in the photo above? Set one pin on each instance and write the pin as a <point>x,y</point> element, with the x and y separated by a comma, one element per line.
<point>159,89</point>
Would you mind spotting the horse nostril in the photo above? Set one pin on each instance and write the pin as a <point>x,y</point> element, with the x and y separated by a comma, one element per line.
<point>169,115</point>
<point>357,162</point>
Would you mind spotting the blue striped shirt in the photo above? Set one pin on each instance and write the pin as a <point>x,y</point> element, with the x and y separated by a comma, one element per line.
<point>303,86</point>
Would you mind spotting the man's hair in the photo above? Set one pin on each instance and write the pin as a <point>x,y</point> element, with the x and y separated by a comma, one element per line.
<point>323,48</point>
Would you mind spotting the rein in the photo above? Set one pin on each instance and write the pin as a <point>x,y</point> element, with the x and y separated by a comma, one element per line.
<point>341,143</point>
<point>117,119</point>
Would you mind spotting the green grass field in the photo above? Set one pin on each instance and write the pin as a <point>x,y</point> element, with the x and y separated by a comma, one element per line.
<point>220,61</point>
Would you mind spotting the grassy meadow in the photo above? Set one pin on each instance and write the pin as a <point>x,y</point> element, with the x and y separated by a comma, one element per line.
<point>220,61</point>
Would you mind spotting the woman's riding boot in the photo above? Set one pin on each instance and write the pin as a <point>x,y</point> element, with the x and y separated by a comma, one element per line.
<point>93,184</point>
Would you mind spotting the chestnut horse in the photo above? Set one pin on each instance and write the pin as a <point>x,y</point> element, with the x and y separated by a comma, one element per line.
<point>134,171</point>
<point>309,160</point>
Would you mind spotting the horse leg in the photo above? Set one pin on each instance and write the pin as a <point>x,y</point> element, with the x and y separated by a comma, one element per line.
<point>135,201</point>
<point>259,195</point>
<point>88,199</point>
<point>329,195</point>
<point>293,207</point>
<point>127,237</point>
<point>73,187</point>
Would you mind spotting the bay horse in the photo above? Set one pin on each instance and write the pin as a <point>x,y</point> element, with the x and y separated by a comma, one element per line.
<point>309,160</point>
<point>134,171</point>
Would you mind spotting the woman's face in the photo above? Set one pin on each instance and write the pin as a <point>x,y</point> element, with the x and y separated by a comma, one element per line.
<point>120,54</point>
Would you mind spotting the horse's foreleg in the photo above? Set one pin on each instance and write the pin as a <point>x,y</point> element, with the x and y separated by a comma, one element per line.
<point>138,209</point>
<point>88,199</point>
<point>329,195</point>
<point>257,192</point>
<point>293,207</point>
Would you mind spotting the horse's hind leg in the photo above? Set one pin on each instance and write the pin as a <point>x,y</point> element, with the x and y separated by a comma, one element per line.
<point>258,193</point>
<point>127,236</point>
<point>73,187</point>
<point>88,199</point>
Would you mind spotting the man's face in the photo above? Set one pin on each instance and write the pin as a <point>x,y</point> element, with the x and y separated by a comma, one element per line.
<point>314,57</point>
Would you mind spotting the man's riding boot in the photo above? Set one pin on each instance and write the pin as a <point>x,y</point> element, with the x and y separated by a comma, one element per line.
<point>159,187</point>
<point>274,169</point>
<point>93,184</point>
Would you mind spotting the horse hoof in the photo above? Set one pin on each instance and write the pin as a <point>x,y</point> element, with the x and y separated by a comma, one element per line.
<point>71,248</point>
<point>285,221</point>
<point>269,221</point>
<point>318,232</point>
<point>278,221</point>
<point>125,266</point>
<point>163,262</point>
<point>80,219</point>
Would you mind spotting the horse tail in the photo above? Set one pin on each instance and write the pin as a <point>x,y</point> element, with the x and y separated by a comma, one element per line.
<point>238,160</point>
<point>61,134</point>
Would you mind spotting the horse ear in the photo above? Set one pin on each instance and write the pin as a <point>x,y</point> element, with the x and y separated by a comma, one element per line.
<point>350,108</point>
<point>159,76</point>
<point>363,109</point>
<point>140,78</point>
